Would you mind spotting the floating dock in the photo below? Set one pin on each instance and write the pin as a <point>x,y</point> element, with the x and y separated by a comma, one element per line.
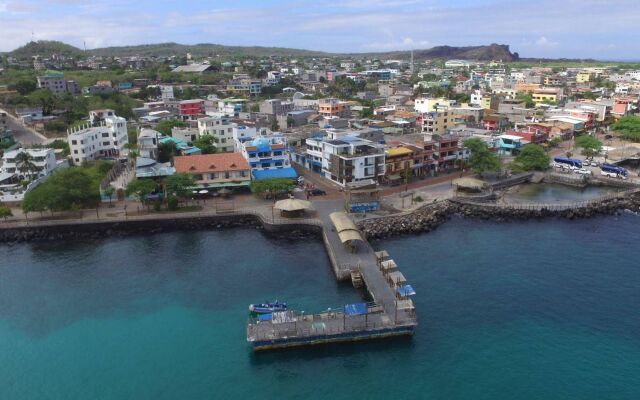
<point>391,313</point>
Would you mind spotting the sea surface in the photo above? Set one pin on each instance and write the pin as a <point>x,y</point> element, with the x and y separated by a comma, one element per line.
<point>553,193</point>
<point>534,310</point>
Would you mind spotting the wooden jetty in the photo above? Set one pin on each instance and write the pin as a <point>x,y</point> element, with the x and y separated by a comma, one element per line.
<point>391,313</point>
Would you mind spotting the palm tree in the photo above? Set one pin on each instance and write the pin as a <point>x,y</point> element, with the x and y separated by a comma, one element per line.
<point>24,163</point>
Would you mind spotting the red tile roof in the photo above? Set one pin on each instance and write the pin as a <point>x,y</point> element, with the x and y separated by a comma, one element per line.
<point>210,163</point>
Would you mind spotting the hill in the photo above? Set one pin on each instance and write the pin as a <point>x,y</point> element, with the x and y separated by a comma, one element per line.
<point>203,50</point>
<point>45,48</point>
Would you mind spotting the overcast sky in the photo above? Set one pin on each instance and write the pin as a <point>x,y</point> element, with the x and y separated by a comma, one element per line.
<point>602,29</point>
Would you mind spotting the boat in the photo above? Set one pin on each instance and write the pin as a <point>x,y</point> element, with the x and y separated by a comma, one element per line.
<point>266,308</point>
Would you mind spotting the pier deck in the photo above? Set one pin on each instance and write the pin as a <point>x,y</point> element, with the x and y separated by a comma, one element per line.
<point>387,315</point>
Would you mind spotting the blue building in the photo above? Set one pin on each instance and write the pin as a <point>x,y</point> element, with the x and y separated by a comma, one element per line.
<point>268,157</point>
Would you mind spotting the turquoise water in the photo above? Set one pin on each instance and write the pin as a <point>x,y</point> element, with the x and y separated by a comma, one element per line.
<point>528,311</point>
<point>552,193</point>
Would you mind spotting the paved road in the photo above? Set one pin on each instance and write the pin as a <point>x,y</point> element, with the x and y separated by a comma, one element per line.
<point>23,134</point>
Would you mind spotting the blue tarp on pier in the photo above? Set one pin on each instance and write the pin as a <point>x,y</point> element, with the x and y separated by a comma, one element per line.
<point>264,317</point>
<point>406,290</point>
<point>355,309</point>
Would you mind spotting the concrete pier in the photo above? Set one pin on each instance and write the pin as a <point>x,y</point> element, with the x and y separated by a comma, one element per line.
<point>389,314</point>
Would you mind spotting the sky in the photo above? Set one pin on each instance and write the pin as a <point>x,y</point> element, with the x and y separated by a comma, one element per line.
<point>600,29</point>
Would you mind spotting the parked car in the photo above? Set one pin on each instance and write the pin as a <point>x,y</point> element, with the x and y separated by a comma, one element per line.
<point>583,171</point>
<point>317,192</point>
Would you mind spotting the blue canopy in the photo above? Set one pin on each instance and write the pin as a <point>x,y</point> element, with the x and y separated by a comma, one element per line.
<point>406,290</point>
<point>275,173</point>
<point>264,317</point>
<point>355,309</point>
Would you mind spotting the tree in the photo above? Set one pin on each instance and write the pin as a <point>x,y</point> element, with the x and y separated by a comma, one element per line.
<point>272,187</point>
<point>532,157</point>
<point>67,189</point>
<point>140,189</point>
<point>165,126</point>
<point>367,112</point>
<point>5,212</point>
<point>45,99</point>
<point>205,144</point>
<point>25,86</point>
<point>274,125</point>
<point>25,164</point>
<point>291,122</point>
<point>527,98</point>
<point>629,126</point>
<point>179,185</point>
<point>108,191</point>
<point>590,145</point>
<point>481,159</point>
<point>166,151</point>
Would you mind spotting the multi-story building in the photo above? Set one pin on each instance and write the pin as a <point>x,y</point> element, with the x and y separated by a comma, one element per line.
<point>275,107</point>
<point>190,109</point>
<point>148,141</point>
<point>547,96</point>
<point>212,171</point>
<point>428,104</point>
<point>43,163</point>
<point>346,159</point>
<point>57,84</point>
<point>333,108</point>
<point>437,122</point>
<point>245,87</point>
<point>268,157</point>
<point>585,77</point>
<point>108,139</point>
<point>221,129</point>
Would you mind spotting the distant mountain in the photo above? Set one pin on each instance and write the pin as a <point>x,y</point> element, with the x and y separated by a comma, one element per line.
<point>203,50</point>
<point>45,48</point>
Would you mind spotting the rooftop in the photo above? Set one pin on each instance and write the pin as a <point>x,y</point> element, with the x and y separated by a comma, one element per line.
<point>220,162</point>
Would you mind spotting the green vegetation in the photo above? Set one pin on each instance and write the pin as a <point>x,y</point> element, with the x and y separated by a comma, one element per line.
<point>269,188</point>
<point>527,98</point>
<point>630,128</point>
<point>179,185</point>
<point>71,188</point>
<point>205,144</point>
<point>165,126</point>
<point>482,159</point>
<point>590,146</point>
<point>531,157</point>
<point>140,189</point>
<point>166,151</point>
<point>5,212</point>
<point>25,164</point>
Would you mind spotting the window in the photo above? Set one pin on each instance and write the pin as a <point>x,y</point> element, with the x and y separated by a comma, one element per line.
<point>74,142</point>
<point>227,175</point>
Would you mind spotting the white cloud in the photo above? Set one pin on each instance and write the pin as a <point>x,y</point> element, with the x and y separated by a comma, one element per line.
<point>406,43</point>
<point>3,7</point>
<point>544,42</point>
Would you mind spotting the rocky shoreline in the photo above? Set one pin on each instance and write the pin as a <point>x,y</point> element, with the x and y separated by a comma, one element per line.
<point>102,230</point>
<point>429,218</point>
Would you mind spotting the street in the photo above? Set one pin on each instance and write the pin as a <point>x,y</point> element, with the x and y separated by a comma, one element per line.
<point>22,134</point>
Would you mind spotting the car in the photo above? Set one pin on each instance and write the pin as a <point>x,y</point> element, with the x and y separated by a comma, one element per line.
<point>317,192</point>
<point>586,162</point>
<point>583,171</point>
<point>300,180</point>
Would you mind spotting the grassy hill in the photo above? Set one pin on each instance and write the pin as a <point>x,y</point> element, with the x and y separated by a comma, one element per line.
<point>46,48</point>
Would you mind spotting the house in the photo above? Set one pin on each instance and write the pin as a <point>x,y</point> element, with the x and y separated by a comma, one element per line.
<point>437,122</point>
<point>228,170</point>
<point>148,141</point>
<point>195,68</point>
<point>13,173</point>
<point>494,122</point>
<point>268,157</point>
<point>275,107</point>
<point>402,160</point>
<point>428,104</point>
<point>332,107</point>
<point>189,109</point>
<point>509,144</point>
<point>221,129</point>
<point>345,159</point>
<point>108,139</point>
<point>57,84</point>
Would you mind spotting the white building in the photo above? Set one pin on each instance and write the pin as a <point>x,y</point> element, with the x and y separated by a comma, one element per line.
<point>166,93</point>
<point>108,139</point>
<point>148,143</point>
<point>267,156</point>
<point>43,160</point>
<point>345,160</point>
<point>221,129</point>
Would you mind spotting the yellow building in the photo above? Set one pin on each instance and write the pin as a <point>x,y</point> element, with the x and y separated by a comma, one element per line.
<point>584,77</point>
<point>438,122</point>
<point>397,160</point>
<point>428,104</point>
<point>545,97</point>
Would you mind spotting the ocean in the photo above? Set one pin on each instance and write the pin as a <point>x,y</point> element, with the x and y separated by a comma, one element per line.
<point>525,310</point>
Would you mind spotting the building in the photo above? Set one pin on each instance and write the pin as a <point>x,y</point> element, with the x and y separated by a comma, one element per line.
<point>190,109</point>
<point>43,160</point>
<point>509,144</point>
<point>108,139</point>
<point>585,77</point>
<point>275,107</point>
<point>57,84</point>
<point>148,141</point>
<point>215,171</point>
<point>546,96</point>
<point>268,157</point>
<point>247,87</point>
<point>195,68</point>
<point>186,134</point>
<point>346,159</point>
<point>221,129</point>
<point>437,122</point>
<point>402,160</point>
<point>428,104</point>
<point>333,108</point>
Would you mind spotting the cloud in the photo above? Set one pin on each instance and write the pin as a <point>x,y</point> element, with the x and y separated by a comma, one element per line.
<point>3,7</point>
<point>544,42</point>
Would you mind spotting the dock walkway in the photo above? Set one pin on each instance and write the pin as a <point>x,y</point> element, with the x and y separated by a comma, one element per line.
<point>387,315</point>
